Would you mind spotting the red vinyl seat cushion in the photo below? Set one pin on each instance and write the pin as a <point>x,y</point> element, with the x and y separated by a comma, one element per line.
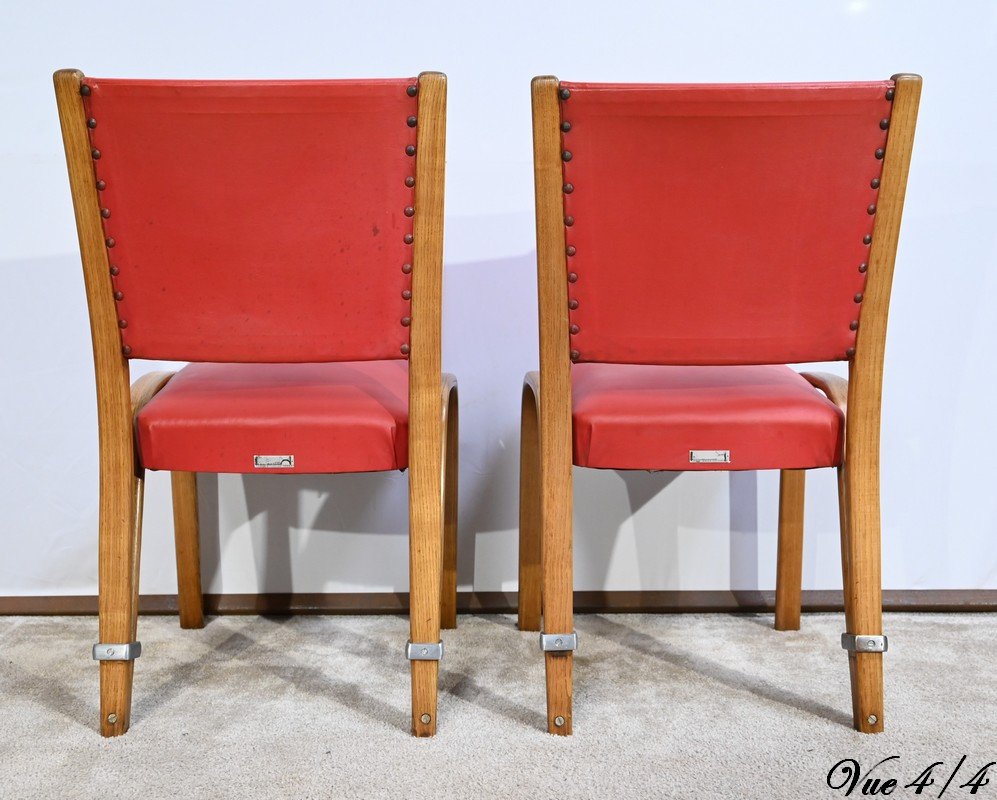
<point>633,416</point>
<point>332,417</point>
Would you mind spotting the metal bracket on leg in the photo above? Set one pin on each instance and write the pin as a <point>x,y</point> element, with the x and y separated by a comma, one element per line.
<point>415,651</point>
<point>857,643</point>
<point>117,652</point>
<point>558,642</point>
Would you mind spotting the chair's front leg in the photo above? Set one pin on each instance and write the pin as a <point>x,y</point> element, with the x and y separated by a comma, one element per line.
<point>529,514</point>
<point>188,547</point>
<point>121,495</point>
<point>448,599</point>
<point>862,571</point>
<point>789,569</point>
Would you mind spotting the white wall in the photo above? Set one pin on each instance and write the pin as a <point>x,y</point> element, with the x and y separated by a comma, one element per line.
<point>633,530</point>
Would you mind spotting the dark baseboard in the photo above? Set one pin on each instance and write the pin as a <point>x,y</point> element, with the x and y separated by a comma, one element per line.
<point>637,602</point>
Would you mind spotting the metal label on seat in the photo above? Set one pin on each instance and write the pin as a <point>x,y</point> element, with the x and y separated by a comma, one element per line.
<point>273,462</point>
<point>709,456</point>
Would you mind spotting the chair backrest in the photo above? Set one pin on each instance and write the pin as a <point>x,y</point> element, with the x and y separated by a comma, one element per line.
<point>257,220</point>
<point>719,224</point>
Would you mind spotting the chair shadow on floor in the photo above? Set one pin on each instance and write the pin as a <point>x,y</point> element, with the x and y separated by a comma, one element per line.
<point>316,681</point>
<point>466,688</point>
<point>57,697</point>
<point>625,636</point>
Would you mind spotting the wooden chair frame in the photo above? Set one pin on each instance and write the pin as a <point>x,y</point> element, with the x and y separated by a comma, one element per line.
<point>433,423</point>
<point>545,570</point>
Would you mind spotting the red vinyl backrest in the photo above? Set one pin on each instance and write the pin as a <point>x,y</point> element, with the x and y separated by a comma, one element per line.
<point>257,221</point>
<point>719,224</point>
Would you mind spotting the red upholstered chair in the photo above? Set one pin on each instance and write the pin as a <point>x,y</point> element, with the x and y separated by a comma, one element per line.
<point>286,235</point>
<point>693,240</point>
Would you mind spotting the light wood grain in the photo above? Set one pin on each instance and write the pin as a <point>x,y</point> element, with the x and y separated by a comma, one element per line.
<point>555,397</point>
<point>530,594</point>
<point>187,540</point>
<point>845,545</point>
<point>833,386</point>
<point>145,388</point>
<point>425,420</point>
<point>185,522</point>
<point>120,476</point>
<point>789,566</point>
<point>451,466</point>
<point>863,588</point>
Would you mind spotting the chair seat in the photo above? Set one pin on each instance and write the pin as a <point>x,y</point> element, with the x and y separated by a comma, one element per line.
<point>630,416</point>
<point>331,417</point>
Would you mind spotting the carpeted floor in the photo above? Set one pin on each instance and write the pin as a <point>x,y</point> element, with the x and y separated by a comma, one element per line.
<point>665,706</point>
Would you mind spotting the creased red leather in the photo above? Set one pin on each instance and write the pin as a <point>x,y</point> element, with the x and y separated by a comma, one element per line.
<point>257,221</point>
<point>332,417</point>
<point>636,416</point>
<point>719,224</point>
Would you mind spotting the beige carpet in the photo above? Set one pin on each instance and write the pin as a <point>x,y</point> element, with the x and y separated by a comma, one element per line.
<point>317,707</point>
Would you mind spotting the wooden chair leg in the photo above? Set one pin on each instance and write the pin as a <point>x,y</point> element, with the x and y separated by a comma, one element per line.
<point>448,600</point>
<point>121,494</point>
<point>188,546</point>
<point>425,577</point>
<point>843,526</point>
<point>529,516</point>
<point>559,688</point>
<point>862,572</point>
<point>558,584</point>
<point>424,617</point>
<point>789,570</point>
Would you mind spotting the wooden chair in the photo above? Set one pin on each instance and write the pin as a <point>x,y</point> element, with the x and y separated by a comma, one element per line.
<point>289,236</point>
<point>692,240</point>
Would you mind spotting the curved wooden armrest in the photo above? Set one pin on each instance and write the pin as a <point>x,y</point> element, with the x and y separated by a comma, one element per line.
<point>834,386</point>
<point>448,384</point>
<point>146,387</point>
<point>532,380</point>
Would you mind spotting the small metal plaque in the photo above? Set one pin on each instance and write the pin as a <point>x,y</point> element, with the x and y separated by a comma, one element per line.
<point>424,651</point>
<point>558,642</point>
<point>128,651</point>
<point>709,456</point>
<point>273,462</point>
<point>858,643</point>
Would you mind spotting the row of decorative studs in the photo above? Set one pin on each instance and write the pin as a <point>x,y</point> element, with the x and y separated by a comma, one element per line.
<point>105,214</point>
<point>410,150</point>
<point>569,221</point>
<point>880,154</point>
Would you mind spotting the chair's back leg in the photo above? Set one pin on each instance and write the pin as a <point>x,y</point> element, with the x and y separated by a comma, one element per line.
<point>862,569</point>
<point>121,494</point>
<point>789,569</point>
<point>558,584</point>
<point>188,546</point>
<point>448,599</point>
<point>426,534</point>
<point>529,515</point>
<point>425,582</point>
